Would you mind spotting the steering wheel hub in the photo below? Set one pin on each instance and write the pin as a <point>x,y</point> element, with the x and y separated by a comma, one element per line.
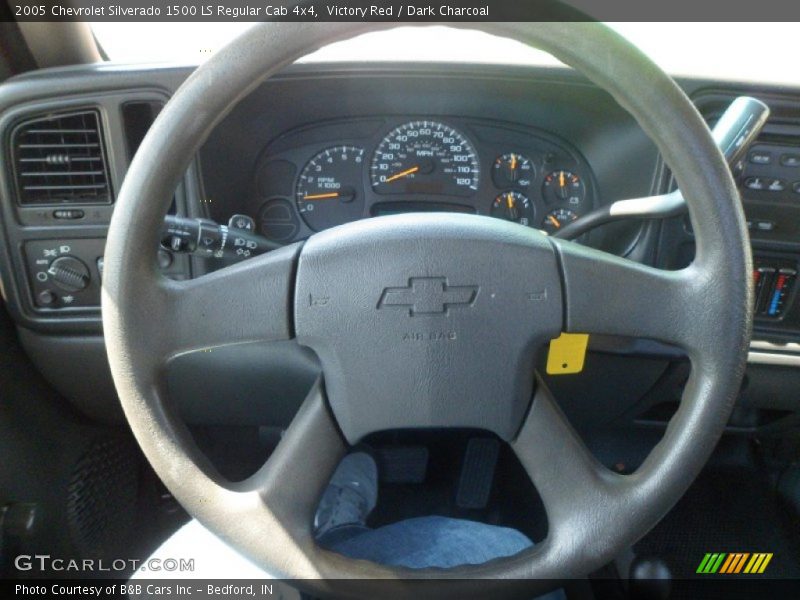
<point>428,320</point>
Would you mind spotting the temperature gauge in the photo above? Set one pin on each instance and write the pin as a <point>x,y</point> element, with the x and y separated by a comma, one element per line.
<point>557,218</point>
<point>513,170</point>
<point>513,206</point>
<point>563,186</point>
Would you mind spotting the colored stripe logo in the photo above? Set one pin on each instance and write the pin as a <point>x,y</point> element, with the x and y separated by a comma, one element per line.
<point>734,563</point>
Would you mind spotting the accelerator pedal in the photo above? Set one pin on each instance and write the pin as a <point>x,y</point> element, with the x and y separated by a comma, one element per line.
<point>477,473</point>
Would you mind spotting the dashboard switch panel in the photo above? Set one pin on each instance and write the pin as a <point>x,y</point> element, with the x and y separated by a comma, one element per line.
<point>63,274</point>
<point>770,183</point>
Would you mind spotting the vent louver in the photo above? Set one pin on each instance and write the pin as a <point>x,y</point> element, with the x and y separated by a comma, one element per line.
<point>60,159</point>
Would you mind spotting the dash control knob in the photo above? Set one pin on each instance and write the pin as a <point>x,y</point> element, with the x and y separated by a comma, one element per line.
<point>69,273</point>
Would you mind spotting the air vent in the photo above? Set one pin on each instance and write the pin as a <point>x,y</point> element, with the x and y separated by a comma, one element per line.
<point>60,159</point>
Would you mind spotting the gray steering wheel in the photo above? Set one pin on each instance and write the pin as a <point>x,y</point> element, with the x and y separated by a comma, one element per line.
<point>404,315</point>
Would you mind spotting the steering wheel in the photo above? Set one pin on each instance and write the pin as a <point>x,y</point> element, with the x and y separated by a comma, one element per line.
<point>429,320</point>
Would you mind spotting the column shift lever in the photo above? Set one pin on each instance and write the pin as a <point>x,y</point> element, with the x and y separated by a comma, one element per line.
<point>737,128</point>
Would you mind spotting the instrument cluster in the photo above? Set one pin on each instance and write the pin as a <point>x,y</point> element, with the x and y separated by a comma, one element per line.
<point>329,174</point>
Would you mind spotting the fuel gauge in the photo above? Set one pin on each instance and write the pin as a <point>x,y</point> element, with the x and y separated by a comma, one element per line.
<point>513,170</point>
<point>513,206</point>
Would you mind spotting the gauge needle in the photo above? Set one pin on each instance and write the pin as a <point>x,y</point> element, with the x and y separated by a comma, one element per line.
<point>512,206</point>
<point>554,221</point>
<point>561,179</point>
<point>321,196</point>
<point>513,163</point>
<point>405,173</point>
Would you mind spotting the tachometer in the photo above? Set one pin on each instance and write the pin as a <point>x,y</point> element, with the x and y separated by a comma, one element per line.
<point>329,191</point>
<point>425,157</point>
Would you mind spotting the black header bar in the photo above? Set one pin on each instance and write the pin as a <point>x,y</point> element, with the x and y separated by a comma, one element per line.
<point>403,11</point>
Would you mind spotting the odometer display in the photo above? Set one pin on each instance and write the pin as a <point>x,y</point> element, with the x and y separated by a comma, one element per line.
<point>425,157</point>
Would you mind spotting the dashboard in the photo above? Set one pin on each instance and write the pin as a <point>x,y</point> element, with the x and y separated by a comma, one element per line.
<point>362,168</point>
<point>320,145</point>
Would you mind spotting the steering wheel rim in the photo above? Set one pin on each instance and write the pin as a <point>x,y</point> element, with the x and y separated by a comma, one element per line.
<point>593,513</point>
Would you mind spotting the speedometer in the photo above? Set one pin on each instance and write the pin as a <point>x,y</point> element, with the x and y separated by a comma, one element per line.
<point>425,157</point>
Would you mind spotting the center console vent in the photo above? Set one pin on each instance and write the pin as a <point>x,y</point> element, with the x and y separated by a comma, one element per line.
<point>61,159</point>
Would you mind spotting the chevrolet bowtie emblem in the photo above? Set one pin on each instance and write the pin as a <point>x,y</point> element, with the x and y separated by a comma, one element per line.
<point>428,296</point>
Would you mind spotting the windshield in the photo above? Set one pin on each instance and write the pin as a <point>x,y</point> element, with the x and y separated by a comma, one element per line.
<point>692,49</point>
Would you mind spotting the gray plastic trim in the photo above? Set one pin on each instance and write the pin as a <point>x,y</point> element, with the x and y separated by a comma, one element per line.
<point>768,353</point>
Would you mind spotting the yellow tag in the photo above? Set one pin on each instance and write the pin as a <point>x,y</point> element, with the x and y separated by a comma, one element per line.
<point>567,354</point>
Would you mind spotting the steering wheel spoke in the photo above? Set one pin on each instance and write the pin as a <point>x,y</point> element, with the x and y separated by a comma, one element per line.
<point>246,302</point>
<point>569,480</point>
<point>292,480</point>
<point>605,294</point>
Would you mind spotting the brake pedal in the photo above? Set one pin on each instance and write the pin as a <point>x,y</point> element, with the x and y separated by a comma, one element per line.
<point>477,473</point>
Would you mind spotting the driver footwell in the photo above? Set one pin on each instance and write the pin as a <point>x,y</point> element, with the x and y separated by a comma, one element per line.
<point>460,474</point>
